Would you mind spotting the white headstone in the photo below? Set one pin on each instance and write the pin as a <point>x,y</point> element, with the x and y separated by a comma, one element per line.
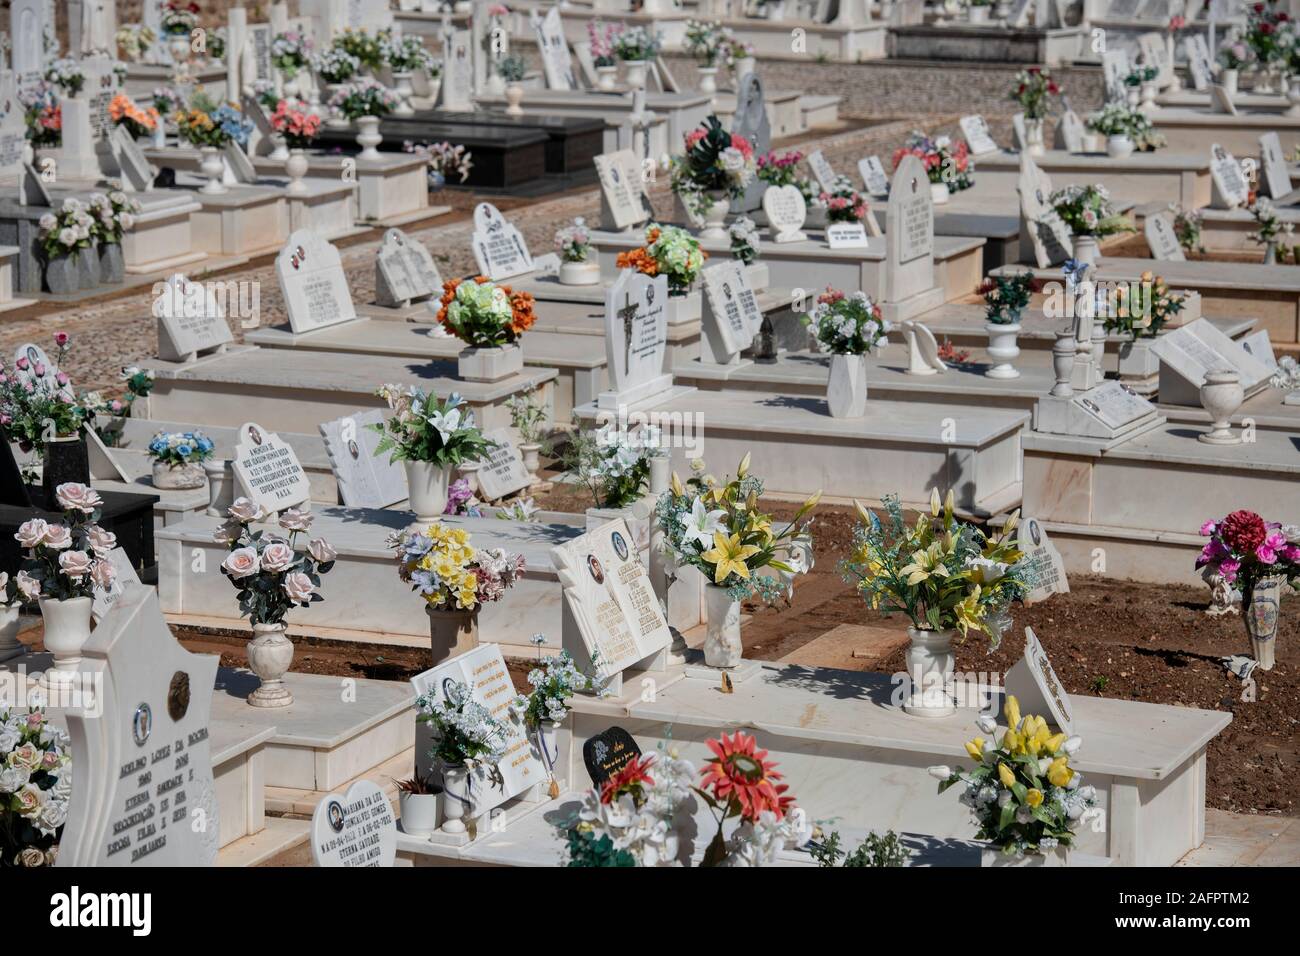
<point>1018,16</point>
<point>1018,135</point>
<point>1049,235</point>
<point>1230,186</point>
<point>356,828</point>
<point>458,71</point>
<point>365,479</point>
<point>1258,346</point>
<point>1115,67</point>
<point>731,304</point>
<point>909,232</point>
<point>404,270</point>
<point>268,470</point>
<point>786,212</point>
<point>1069,132</point>
<point>1199,61</point>
<point>140,797</point>
<point>751,122</point>
<point>922,350</point>
<point>124,578</point>
<point>622,189</point>
<point>31,22</point>
<point>557,64</point>
<point>608,597</point>
<point>1156,53</point>
<point>137,172</point>
<point>502,472</point>
<point>41,370</point>
<point>1189,353</point>
<point>190,319</point>
<point>499,248</point>
<point>874,179</point>
<point>1276,177</point>
<point>13,130</point>
<point>1044,567</point>
<point>636,337</point>
<point>1221,101</point>
<point>1161,239</point>
<point>822,170</point>
<point>483,671</point>
<point>1034,684</point>
<point>1114,404</point>
<point>240,166</point>
<point>312,281</point>
<point>977,134</point>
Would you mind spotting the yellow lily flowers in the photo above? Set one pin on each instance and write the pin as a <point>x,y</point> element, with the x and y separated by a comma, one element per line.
<point>728,555</point>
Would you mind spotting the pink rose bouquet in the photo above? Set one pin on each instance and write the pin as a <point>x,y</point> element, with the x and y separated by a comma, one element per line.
<point>272,576</point>
<point>1244,549</point>
<point>64,560</point>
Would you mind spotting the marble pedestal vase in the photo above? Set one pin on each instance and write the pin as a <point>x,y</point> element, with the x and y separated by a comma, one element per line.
<point>636,72</point>
<point>715,217</point>
<point>846,390</point>
<point>67,628</point>
<point>457,801</point>
<point>1034,137</point>
<point>1087,249</point>
<point>295,167</point>
<point>403,90</point>
<point>606,77</point>
<point>368,137</point>
<point>452,632</point>
<point>1221,396</point>
<point>270,653</point>
<point>1003,349</point>
<point>213,167</point>
<point>427,485</point>
<point>709,79</point>
<point>722,647</point>
<point>514,97</point>
<point>929,669</point>
<point>531,453</point>
<point>1261,612</point>
<point>10,618</point>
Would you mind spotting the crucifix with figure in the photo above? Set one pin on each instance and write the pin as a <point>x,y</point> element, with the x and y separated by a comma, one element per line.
<point>628,315</point>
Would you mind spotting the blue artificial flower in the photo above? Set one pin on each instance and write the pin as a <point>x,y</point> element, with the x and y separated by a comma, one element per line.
<point>205,443</point>
<point>1074,271</point>
<point>184,450</point>
<point>426,582</point>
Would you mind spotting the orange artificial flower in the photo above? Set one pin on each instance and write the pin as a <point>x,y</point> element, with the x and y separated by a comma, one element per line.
<point>639,259</point>
<point>739,775</point>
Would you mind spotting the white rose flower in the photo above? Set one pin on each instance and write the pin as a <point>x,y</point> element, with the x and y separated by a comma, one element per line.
<point>74,496</point>
<point>278,556</point>
<point>298,587</point>
<point>245,510</point>
<point>32,532</point>
<point>295,520</point>
<point>321,550</point>
<point>13,779</point>
<point>57,537</point>
<point>241,563</point>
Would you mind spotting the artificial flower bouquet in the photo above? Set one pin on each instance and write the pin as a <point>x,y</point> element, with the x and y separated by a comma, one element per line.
<point>603,38</point>
<point>270,574</point>
<point>744,238</point>
<point>205,123</point>
<point>941,572</point>
<point>781,169</point>
<point>483,314</point>
<point>717,527</point>
<point>362,97</point>
<point>179,17</point>
<point>291,53</point>
<point>842,202</point>
<point>1141,74</point>
<point>714,161</point>
<point>553,682</point>
<point>294,121</point>
<point>64,232</point>
<point>33,407</point>
<point>461,500</point>
<point>573,242</point>
<point>177,449</point>
<point>66,76</point>
<point>442,565</point>
<point>166,100</point>
<point>361,45</point>
<point>465,733</point>
<point>670,251</point>
<point>1113,119</point>
<point>424,428</point>
<point>134,41</point>
<point>1032,90</point>
<point>943,162</point>
<point>123,111</point>
<point>737,51</point>
<point>1244,549</point>
<point>43,114</point>
<point>1144,313</point>
<point>404,53</point>
<point>36,783</point>
<point>114,214</point>
<point>707,42</point>
<point>846,324</point>
<point>1087,211</point>
<point>637,43</point>
<point>1233,54</point>
<point>739,782</point>
<point>1268,225</point>
<point>70,559</point>
<point>613,463</point>
<point>335,65</point>
<point>1023,793</point>
<point>1187,228</point>
<point>1270,34</point>
<point>1006,296</point>
<point>444,159</point>
<point>512,68</point>
<point>216,41</point>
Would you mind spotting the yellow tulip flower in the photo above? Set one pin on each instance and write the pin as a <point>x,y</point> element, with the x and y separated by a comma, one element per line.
<point>1059,773</point>
<point>1006,775</point>
<point>727,555</point>
<point>1012,712</point>
<point>975,748</point>
<point>1034,797</point>
<point>1053,743</point>
<point>1011,742</point>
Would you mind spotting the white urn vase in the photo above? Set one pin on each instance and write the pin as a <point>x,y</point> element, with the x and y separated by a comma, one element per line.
<point>427,485</point>
<point>279,148</point>
<point>295,167</point>
<point>709,79</point>
<point>579,273</point>
<point>67,628</point>
<point>1293,94</point>
<point>607,77</point>
<point>369,137</point>
<point>531,453</point>
<point>930,670</point>
<point>1221,396</point>
<point>270,653</point>
<point>1034,137</point>
<point>1003,349</point>
<point>846,389</point>
<point>722,647</point>
<point>636,70</point>
<point>213,166</point>
<point>741,67</point>
<point>1120,146</point>
<point>457,798</point>
<point>403,91</point>
<point>10,619</point>
<point>514,97</point>
<point>1087,249</point>
<point>715,217</point>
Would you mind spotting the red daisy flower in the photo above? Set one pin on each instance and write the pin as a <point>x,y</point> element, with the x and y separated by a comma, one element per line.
<point>739,775</point>
<point>631,779</point>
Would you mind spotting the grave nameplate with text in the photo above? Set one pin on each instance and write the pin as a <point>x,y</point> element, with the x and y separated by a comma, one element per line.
<point>312,281</point>
<point>268,470</point>
<point>499,248</point>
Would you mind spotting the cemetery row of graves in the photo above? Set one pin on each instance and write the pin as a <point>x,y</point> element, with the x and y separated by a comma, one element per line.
<point>736,526</point>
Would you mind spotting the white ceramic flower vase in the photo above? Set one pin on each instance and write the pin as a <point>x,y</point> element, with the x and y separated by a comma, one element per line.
<point>1148,103</point>
<point>10,619</point>
<point>709,79</point>
<point>846,389</point>
<point>1221,396</point>
<point>1261,617</point>
<point>169,477</point>
<point>715,217</point>
<point>403,90</point>
<point>722,647</point>
<point>635,77</point>
<point>514,99</point>
<point>1293,94</point>
<point>457,800</point>
<point>67,628</point>
<point>929,669</point>
<point>1087,249</point>
<point>334,119</point>
<point>295,167</point>
<point>419,812</point>
<point>270,653</point>
<point>579,273</point>
<point>1003,349</point>
<point>279,149</point>
<point>368,137</point>
<point>531,453</point>
<point>742,67</point>
<point>427,486</point>
<point>607,78</point>
<point>1119,147</point>
<point>489,364</point>
<point>213,166</point>
<point>939,193</point>
<point>1228,80</point>
<point>1034,137</point>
